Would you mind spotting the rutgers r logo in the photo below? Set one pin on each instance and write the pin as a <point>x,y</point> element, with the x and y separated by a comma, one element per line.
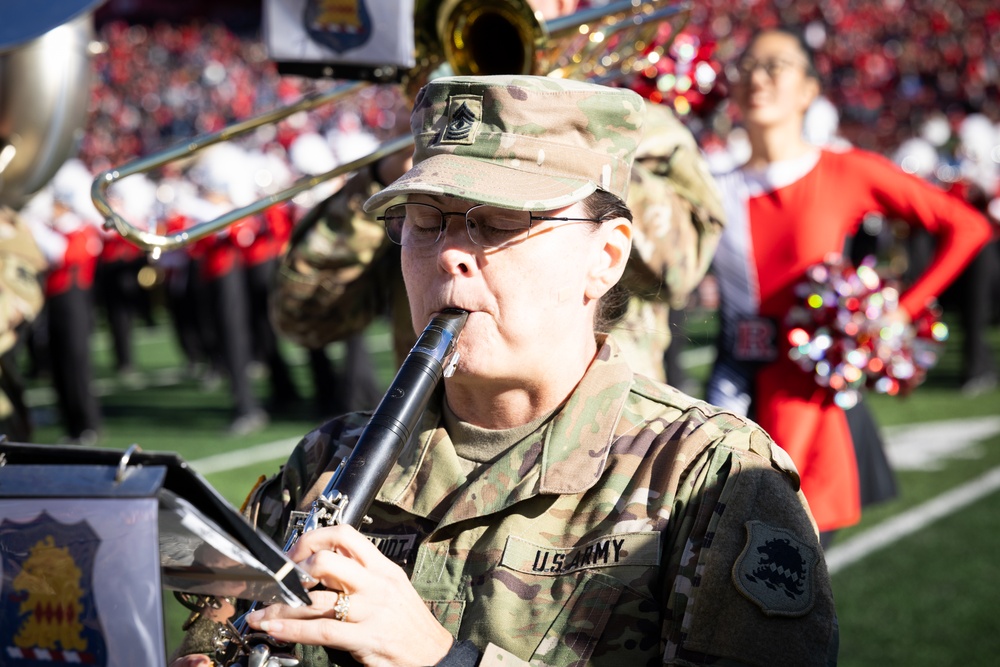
<point>755,340</point>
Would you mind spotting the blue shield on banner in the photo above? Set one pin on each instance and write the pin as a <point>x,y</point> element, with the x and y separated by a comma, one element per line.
<point>47,611</point>
<point>339,25</point>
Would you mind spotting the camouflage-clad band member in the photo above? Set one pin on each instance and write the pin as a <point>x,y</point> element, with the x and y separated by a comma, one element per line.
<point>554,507</point>
<point>341,272</point>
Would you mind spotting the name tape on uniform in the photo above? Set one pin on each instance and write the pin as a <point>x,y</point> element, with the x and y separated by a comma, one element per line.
<point>396,548</point>
<point>613,550</point>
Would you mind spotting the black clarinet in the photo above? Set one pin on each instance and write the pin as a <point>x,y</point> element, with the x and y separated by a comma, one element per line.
<point>358,478</point>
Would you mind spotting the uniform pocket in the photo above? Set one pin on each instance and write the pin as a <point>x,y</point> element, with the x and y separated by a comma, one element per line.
<point>555,605</point>
<point>579,587</point>
<point>580,623</point>
<point>448,613</point>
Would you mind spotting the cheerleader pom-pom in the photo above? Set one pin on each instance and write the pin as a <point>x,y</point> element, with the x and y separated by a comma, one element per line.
<point>842,331</point>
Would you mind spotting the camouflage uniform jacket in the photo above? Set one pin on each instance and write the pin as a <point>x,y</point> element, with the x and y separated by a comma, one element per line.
<point>21,299</point>
<point>677,222</point>
<point>638,526</point>
<point>340,272</point>
<point>21,263</point>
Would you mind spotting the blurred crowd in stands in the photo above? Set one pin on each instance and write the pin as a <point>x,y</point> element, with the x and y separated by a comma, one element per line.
<point>888,67</point>
<point>916,80</point>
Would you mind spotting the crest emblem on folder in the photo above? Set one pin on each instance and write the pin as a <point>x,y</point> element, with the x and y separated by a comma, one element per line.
<point>340,25</point>
<point>48,614</point>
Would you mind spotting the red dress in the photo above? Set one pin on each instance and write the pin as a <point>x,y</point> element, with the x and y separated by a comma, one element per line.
<point>780,223</point>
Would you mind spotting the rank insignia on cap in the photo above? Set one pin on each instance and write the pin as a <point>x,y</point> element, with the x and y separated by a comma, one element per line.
<point>775,570</point>
<point>465,113</point>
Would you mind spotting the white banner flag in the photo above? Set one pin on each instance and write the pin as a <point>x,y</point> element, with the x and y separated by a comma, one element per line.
<point>340,32</point>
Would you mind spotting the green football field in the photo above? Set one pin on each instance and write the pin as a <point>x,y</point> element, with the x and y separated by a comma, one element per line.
<point>916,582</point>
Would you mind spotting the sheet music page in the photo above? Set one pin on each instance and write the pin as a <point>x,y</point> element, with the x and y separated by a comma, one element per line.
<point>196,556</point>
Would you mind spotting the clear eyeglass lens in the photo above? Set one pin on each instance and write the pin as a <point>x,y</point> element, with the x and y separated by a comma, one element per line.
<point>772,67</point>
<point>413,225</point>
<point>494,227</point>
<point>417,225</point>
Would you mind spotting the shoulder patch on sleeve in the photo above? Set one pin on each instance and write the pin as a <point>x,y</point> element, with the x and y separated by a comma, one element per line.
<point>776,571</point>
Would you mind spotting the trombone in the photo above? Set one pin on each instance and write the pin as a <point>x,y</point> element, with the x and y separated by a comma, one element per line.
<point>601,44</point>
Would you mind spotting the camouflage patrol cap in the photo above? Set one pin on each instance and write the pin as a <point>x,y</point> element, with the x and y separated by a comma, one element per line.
<point>523,142</point>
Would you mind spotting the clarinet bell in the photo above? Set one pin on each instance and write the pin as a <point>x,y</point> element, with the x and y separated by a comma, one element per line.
<point>261,656</point>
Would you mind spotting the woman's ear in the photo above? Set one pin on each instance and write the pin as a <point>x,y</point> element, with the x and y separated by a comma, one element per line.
<point>616,236</point>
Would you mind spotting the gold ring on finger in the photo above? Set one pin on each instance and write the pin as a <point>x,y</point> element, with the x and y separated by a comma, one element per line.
<point>342,606</point>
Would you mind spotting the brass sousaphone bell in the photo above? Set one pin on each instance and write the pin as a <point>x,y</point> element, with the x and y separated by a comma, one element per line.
<point>470,37</point>
<point>44,89</point>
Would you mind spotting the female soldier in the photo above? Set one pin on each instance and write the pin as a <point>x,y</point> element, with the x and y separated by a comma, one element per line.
<point>553,507</point>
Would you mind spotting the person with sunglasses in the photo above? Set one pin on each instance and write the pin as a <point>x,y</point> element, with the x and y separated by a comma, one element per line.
<point>554,507</point>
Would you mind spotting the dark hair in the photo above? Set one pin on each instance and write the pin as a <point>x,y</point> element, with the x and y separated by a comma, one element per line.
<point>603,205</point>
<point>799,38</point>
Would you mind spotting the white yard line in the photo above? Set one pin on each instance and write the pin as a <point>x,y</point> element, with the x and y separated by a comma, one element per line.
<point>911,521</point>
<point>927,446</point>
<point>241,458</point>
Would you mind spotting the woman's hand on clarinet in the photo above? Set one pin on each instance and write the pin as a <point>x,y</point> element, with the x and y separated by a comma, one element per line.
<point>369,609</point>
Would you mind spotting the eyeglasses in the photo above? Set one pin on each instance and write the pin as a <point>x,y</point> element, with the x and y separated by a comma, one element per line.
<point>773,67</point>
<point>423,225</point>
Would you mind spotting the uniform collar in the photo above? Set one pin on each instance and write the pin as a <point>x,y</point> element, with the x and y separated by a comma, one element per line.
<point>576,446</point>
<point>426,480</point>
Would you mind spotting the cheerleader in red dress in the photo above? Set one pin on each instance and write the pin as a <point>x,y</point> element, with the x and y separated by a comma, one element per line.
<point>788,207</point>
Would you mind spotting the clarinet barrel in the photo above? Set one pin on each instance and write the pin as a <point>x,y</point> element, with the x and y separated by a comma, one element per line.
<point>394,420</point>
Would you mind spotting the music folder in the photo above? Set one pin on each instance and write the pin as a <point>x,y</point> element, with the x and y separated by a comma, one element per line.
<point>205,545</point>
